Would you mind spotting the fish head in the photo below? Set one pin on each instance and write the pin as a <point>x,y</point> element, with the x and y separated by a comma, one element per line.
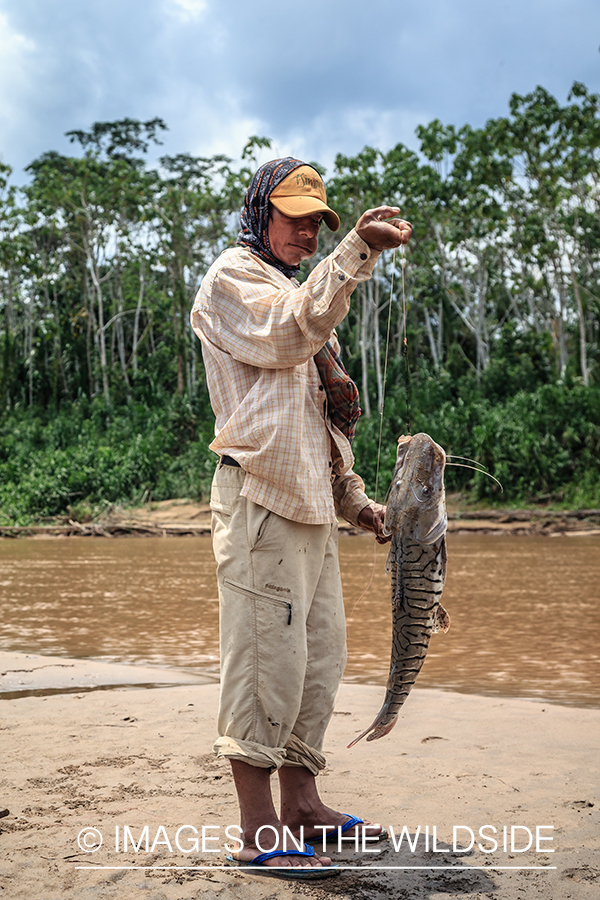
<point>417,498</point>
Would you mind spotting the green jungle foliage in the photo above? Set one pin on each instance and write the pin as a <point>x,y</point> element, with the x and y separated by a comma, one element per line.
<point>102,391</point>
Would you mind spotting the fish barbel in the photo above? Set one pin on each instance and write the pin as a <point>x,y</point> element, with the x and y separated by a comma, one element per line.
<point>416,518</point>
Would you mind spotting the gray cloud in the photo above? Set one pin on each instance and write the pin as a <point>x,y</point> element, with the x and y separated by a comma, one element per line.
<point>318,78</point>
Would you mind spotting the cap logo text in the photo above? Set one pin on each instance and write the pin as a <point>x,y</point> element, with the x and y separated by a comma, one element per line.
<point>306,181</point>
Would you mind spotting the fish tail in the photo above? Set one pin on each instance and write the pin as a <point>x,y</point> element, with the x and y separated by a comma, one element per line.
<point>441,620</point>
<point>380,727</point>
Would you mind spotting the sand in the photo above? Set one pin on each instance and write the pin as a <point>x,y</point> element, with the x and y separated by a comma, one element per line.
<point>23,674</point>
<point>128,758</point>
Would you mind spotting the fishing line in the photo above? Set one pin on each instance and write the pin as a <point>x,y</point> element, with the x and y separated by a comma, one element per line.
<point>387,348</point>
<point>405,347</point>
<point>385,363</point>
<point>381,411</point>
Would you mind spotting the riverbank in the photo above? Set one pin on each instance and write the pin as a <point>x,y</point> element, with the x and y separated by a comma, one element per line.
<point>111,759</point>
<point>173,518</point>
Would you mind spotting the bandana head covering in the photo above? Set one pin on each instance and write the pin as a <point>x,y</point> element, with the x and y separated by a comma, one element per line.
<point>255,214</point>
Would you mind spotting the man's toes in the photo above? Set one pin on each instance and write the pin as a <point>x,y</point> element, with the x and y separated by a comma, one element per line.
<point>301,862</point>
<point>313,862</point>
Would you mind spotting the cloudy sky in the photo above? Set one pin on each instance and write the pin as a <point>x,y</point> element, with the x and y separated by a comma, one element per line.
<point>318,77</point>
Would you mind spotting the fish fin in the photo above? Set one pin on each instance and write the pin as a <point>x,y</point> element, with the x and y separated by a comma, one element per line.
<point>391,558</point>
<point>359,738</point>
<point>403,445</point>
<point>437,530</point>
<point>441,620</point>
<point>379,728</point>
<point>443,561</point>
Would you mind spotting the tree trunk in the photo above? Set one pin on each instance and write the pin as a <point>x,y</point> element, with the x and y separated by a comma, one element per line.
<point>120,335</point>
<point>136,321</point>
<point>560,323</point>
<point>582,334</point>
<point>432,344</point>
<point>100,335</point>
<point>90,332</point>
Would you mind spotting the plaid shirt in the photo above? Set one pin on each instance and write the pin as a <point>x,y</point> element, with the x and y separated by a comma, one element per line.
<point>259,332</point>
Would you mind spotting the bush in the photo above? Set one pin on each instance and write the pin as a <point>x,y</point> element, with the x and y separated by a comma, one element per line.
<point>538,444</point>
<point>542,443</point>
<point>88,454</point>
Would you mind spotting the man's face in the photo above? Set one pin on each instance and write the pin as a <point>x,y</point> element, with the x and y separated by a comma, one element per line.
<point>293,240</point>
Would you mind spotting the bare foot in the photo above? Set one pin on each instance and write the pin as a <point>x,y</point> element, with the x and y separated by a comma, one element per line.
<point>315,820</point>
<point>301,805</point>
<point>268,844</point>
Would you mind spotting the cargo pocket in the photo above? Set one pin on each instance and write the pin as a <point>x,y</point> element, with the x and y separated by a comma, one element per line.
<point>280,609</point>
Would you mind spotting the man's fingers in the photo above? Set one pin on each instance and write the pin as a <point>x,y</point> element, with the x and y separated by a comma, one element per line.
<point>387,212</point>
<point>381,213</point>
<point>405,230</point>
<point>400,224</point>
<point>388,215</point>
<point>404,227</point>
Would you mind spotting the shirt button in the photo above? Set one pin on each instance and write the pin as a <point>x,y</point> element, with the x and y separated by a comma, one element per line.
<point>342,277</point>
<point>329,463</point>
<point>363,255</point>
<point>321,388</point>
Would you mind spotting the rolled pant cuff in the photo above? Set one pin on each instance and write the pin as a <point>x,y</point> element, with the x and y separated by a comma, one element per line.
<point>300,754</point>
<point>250,752</point>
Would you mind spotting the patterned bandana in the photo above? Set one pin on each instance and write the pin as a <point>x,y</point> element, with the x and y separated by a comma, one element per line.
<point>255,214</point>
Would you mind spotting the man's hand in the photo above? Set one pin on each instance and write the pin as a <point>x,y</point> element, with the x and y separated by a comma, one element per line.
<point>371,518</point>
<point>380,234</point>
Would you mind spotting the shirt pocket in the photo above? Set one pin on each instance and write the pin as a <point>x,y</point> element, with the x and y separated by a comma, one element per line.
<point>276,604</point>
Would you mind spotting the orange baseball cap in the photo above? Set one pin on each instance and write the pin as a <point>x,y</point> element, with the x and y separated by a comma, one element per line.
<point>301,193</point>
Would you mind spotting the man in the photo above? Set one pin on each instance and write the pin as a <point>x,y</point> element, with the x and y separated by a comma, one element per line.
<point>285,414</point>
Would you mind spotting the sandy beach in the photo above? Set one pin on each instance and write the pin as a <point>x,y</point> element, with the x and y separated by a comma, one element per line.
<point>122,758</point>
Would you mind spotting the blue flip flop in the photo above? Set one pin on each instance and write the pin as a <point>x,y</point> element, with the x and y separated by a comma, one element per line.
<point>352,821</point>
<point>286,871</point>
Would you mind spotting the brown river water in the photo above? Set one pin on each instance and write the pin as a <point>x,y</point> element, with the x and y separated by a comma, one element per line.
<point>525,611</point>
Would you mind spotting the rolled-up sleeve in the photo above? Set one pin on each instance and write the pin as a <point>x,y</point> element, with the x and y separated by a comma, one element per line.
<point>349,497</point>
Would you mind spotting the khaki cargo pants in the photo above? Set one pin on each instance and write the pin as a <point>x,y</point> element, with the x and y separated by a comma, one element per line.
<point>282,630</point>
